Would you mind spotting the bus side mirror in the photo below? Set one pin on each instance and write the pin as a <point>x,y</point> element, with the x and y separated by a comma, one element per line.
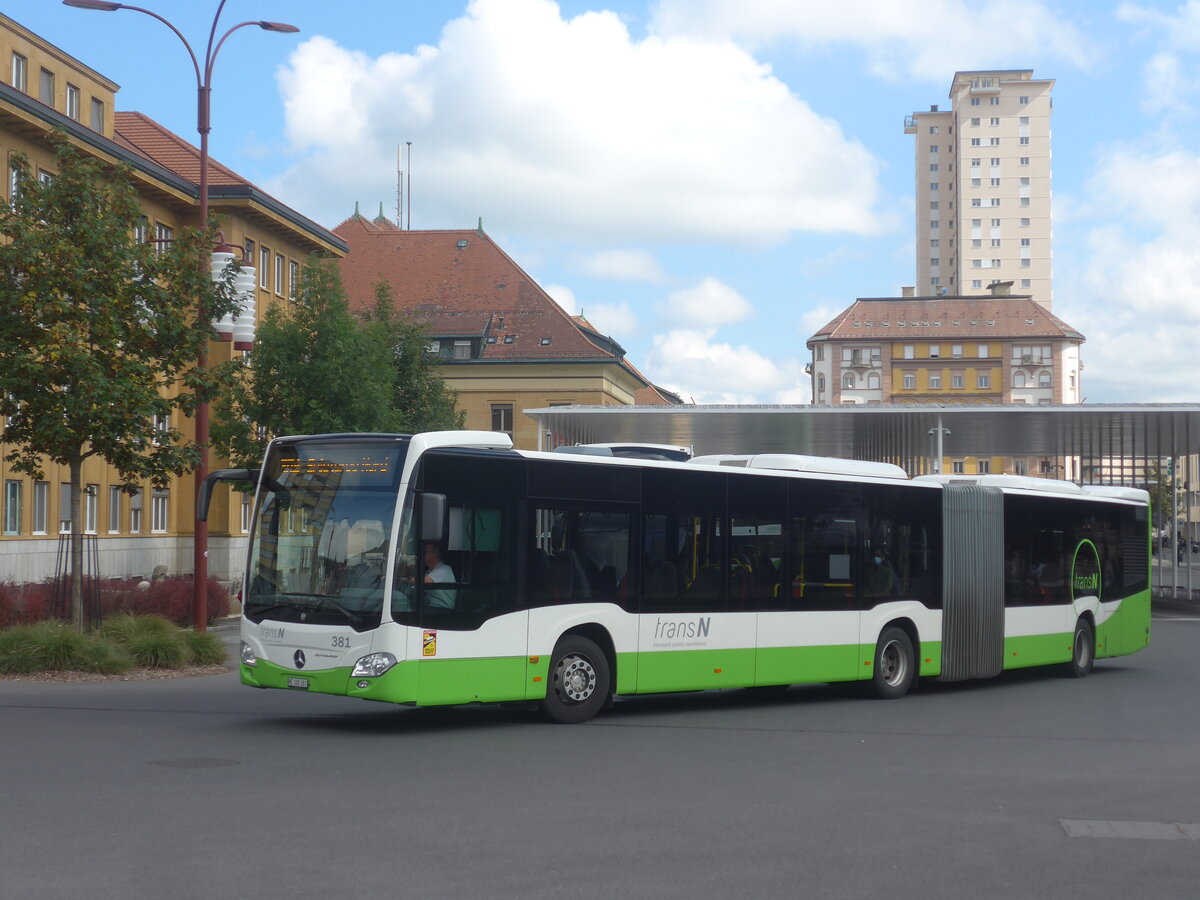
<point>433,517</point>
<point>206,488</point>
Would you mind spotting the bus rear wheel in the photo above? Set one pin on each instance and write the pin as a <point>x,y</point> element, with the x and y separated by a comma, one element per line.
<point>1083,650</point>
<point>579,681</point>
<point>895,664</point>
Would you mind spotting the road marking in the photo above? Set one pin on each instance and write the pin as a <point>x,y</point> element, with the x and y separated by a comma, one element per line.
<point>1145,831</point>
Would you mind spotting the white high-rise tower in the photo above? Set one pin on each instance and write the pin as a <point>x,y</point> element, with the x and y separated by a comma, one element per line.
<point>983,186</point>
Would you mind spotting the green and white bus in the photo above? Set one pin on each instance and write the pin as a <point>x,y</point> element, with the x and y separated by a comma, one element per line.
<point>447,568</point>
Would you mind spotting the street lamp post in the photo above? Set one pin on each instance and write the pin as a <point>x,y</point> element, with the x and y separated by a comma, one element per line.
<point>203,126</point>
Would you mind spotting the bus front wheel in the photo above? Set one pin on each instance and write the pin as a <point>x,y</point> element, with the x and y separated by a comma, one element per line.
<point>1083,650</point>
<point>579,681</point>
<point>895,664</point>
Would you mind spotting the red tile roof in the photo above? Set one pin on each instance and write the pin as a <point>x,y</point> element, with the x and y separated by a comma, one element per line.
<point>460,283</point>
<point>929,318</point>
<point>141,134</point>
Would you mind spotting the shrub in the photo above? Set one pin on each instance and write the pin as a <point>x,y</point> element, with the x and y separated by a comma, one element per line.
<point>158,651</point>
<point>125,627</point>
<point>57,646</point>
<point>16,652</point>
<point>204,648</point>
<point>107,659</point>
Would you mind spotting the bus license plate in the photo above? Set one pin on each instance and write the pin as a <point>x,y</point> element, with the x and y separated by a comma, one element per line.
<point>298,682</point>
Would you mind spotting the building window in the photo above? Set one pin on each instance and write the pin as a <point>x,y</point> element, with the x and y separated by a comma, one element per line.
<point>1024,161</point>
<point>873,381</point>
<point>976,201</point>
<point>1024,201</point>
<point>1023,100</point>
<point>848,381</point>
<point>995,182</point>
<point>293,279</point>
<point>910,381</point>
<point>957,467</point>
<point>995,101</point>
<point>935,382</point>
<point>976,283</point>
<point>1044,379</point>
<point>41,506</point>
<point>994,142</point>
<point>983,466</point>
<point>246,506</point>
<point>163,236</point>
<point>264,268</point>
<point>976,142</point>
<point>1024,223</point>
<point>985,381</point>
<point>933,167</point>
<point>933,224</point>
<point>956,380</point>
<point>502,418</point>
<point>983,351</point>
<point>64,509</point>
<point>1024,141</point>
<point>159,508</point>
<point>933,148</point>
<point>162,427</point>
<point>933,204</point>
<point>821,384</point>
<point>279,274</point>
<point>73,102</point>
<point>935,261</point>
<point>994,121</point>
<point>91,503</point>
<point>910,351</point>
<point>46,87</point>
<point>462,350</point>
<point>135,512</point>
<point>1025,282</point>
<point>12,507</point>
<point>933,129</point>
<point>20,72</point>
<point>97,115</point>
<point>1018,379</point>
<point>935,351</point>
<point>114,510</point>
<point>974,101</point>
<point>974,122</point>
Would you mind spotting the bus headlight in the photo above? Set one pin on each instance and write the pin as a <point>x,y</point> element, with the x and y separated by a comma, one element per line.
<point>373,665</point>
<point>248,657</point>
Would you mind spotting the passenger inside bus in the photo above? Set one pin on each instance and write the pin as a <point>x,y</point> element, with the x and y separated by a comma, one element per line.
<point>437,572</point>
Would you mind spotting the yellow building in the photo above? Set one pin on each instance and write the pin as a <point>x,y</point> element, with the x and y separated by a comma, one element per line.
<point>950,351</point>
<point>502,343</point>
<point>42,88</point>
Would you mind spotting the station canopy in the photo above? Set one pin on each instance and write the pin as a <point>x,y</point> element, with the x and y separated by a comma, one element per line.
<point>902,434</point>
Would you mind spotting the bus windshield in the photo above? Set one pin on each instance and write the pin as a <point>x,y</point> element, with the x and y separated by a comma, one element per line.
<point>320,539</point>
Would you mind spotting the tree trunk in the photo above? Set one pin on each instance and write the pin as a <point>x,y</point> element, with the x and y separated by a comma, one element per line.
<point>76,539</point>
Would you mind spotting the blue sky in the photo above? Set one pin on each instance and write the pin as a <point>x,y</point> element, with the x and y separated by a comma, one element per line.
<point>709,181</point>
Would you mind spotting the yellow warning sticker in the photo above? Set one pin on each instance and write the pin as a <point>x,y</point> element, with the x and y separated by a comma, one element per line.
<point>429,643</point>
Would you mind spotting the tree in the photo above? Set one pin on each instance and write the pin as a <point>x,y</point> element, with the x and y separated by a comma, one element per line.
<point>314,370</point>
<point>420,399</point>
<point>98,333</point>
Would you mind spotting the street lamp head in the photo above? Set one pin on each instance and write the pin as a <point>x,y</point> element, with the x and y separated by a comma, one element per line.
<point>100,5</point>
<point>277,26</point>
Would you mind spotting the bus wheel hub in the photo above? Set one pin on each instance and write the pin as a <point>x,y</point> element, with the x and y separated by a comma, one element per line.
<point>578,678</point>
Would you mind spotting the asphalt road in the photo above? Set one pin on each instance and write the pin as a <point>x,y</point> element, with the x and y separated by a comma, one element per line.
<point>1028,785</point>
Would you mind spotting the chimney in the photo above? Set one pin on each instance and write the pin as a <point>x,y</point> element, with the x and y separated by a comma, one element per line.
<point>908,290</point>
<point>1000,288</point>
<point>933,108</point>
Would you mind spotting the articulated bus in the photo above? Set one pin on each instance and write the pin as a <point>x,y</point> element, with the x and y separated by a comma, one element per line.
<point>448,568</point>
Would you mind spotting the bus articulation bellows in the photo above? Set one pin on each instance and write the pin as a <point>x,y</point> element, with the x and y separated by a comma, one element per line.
<point>447,568</point>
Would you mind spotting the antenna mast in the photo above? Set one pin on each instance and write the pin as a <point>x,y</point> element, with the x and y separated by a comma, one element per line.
<point>399,191</point>
<point>409,144</point>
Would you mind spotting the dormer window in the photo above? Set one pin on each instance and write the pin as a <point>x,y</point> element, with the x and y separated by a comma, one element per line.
<point>508,338</point>
<point>545,342</point>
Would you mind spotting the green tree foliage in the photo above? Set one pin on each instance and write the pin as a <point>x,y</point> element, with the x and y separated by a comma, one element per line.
<point>317,369</point>
<point>98,333</point>
<point>420,399</point>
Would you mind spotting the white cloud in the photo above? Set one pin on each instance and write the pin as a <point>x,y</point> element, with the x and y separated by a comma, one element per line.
<point>710,302</point>
<point>572,128</point>
<point>1169,78</point>
<point>1139,291</point>
<point>897,36</point>
<point>620,265</point>
<point>617,320</point>
<point>564,297</point>
<point>690,363</point>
